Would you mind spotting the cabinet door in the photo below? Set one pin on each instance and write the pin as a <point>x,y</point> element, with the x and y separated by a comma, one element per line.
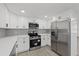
<point>48,40</point>
<point>41,23</point>
<point>44,24</point>
<point>47,25</point>
<point>23,44</point>
<point>40,26</point>
<point>12,21</point>
<point>20,22</point>
<point>1,16</point>
<point>20,45</point>
<point>18,48</point>
<point>43,40</point>
<point>4,16</point>
<point>25,23</point>
<point>26,43</point>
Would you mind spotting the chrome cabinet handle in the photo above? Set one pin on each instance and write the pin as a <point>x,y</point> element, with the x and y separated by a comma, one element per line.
<point>16,45</point>
<point>23,41</point>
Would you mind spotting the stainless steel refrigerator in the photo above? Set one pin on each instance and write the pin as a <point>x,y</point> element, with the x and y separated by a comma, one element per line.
<point>60,37</point>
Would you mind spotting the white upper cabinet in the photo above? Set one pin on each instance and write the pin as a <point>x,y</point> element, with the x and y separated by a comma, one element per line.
<point>17,21</point>
<point>22,22</point>
<point>43,24</point>
<point>25,23</point>
<point>7,19</point>
<point>48,25</point>
<point>4,16</point>
<point>1,16</point>
<point>12,21</point>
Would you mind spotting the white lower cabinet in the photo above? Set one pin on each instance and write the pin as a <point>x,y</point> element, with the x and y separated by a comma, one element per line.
<point>26,44</point>
<point>43,40</point>
<point>48,39</point>
<point>22,44</point>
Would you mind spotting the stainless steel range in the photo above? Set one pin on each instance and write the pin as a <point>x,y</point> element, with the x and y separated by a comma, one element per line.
<point>35,39</point>
<point>35,42</point>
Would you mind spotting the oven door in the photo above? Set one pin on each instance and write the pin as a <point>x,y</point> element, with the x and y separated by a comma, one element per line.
<point>35,43</point>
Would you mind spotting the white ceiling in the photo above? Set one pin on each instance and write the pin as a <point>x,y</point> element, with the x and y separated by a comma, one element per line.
<point>40,9</point>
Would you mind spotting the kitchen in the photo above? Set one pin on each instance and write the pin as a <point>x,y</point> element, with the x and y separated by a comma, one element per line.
<point>46,29</point>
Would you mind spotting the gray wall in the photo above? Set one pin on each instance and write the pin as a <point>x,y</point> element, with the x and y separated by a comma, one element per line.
<point>2,32</point>
<point>13,32</point>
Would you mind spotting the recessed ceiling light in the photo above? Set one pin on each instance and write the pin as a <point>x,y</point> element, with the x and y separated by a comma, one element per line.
<point>22,11</point>
<point>45,16</point>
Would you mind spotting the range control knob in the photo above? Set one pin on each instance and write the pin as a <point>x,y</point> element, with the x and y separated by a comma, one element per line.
<point>35,44</point>
<point>38,40</point>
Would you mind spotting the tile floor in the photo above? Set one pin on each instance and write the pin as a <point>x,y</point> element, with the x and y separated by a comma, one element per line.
<point>44,51</point>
